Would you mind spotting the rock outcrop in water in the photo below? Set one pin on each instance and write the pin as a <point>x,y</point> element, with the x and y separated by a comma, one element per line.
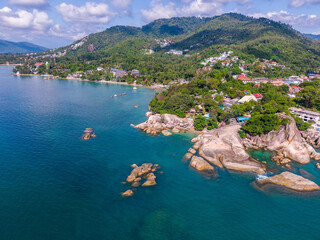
<point>200,164</point>
<point>312,137</point>
<point>88,133</point>
<point>156,123</point>
<point>145,171</point>
<point>286,141</point>
<point>290,181</point>
<point>224,148</point>
<point>127,193</point>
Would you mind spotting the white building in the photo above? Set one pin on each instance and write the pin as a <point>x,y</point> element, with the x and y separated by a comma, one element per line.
<point>307,116</point>
<point>247,98</point>
<point>175,52</point>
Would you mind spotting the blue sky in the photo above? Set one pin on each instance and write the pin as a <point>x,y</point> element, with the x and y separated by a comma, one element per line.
<point>55,23</point>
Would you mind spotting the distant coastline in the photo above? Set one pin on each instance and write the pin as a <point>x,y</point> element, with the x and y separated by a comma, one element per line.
<point>86,80</point>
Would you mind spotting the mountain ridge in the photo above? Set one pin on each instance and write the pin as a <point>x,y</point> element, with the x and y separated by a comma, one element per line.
<point>8,47</point>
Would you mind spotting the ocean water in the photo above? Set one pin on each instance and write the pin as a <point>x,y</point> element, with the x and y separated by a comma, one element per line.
<point>54,185</point>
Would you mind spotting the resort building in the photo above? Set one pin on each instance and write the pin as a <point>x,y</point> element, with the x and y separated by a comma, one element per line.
<point>308,116</point>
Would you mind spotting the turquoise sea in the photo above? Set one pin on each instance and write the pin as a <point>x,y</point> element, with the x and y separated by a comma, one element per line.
<point>54,185</point>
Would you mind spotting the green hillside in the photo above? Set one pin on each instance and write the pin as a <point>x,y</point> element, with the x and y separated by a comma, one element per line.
<point>253,38</point>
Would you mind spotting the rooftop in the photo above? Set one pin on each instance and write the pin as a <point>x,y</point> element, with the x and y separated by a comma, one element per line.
<point>300,110</point>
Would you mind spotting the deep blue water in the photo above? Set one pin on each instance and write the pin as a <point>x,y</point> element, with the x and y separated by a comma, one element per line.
<point>53,185</point>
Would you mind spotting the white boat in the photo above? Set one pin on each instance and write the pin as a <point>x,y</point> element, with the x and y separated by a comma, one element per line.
<point>135,88</point>
<point>115,95</point>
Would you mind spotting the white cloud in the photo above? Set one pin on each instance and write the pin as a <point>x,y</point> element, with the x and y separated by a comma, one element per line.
<point>185,8</point>
<point>201,8</point>
<point>29,3</point>
<point>159,10</point>
<point>35,21</point>
<point>122,4</point>
<point>298,20</point>
<point>300,3</point>
<point>91,12</point>
<point>73,33</point>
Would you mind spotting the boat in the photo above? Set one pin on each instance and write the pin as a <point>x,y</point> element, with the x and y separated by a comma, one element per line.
<point>115,95</point>
<point>135,88</point>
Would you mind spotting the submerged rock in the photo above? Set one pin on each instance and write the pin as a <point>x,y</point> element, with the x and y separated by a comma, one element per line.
<point>200,164</point>
<point>196,146</point>
<point>127,193</point>
<point>224,148</point>
<point>291,181</point>
<point>187,156</point>
<point>151,180</point>
<point>192,151</point>
<point>136,182</point>
<point>166,133</point>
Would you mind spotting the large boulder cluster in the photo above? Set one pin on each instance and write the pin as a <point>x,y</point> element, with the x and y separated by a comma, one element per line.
<point>286,141</point>
<point>157,123</point>
<point>223,148</point>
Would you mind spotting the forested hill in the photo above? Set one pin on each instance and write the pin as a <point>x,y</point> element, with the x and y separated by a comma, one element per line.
<point>249,37</point>
<point>227,29</point>
<point>7,47</point>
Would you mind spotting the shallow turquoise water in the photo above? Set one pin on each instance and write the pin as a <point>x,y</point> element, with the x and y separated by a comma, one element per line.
<point>53,185</point>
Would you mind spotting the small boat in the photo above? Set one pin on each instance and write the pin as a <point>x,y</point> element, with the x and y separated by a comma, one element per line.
<point>135,88</point>
<point>115,95</point>
<point>124,94</point>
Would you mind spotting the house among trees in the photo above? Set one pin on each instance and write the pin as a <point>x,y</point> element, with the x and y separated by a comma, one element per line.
<point>258,96</point>
<point>294,89</point>
<point>244,78</point>
<point>247,98</point>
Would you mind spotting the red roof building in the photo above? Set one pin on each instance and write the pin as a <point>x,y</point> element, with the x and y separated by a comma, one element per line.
<point>258,95</point>
<point>244,78</point>
<point>294,89</point>
<point>207,68</point>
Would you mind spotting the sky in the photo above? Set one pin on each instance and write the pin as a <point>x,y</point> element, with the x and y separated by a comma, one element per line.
<point>56,23</point>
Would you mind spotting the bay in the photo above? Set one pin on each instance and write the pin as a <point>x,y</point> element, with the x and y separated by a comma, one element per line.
<point>54,185</point>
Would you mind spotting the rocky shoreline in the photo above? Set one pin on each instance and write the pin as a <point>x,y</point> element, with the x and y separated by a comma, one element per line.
<point>223,148</point>
<point>312,137</point>
<point>157,123</point>
<point>287,142</point>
